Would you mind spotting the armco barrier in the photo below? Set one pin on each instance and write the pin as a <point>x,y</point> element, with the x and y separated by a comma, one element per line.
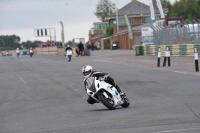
<point>175,50</point>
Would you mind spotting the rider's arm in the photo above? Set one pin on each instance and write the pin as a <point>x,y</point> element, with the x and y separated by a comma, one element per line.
<point>99,74</point>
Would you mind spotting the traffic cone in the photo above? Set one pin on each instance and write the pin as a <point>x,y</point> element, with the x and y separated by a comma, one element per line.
<point>83,53</point>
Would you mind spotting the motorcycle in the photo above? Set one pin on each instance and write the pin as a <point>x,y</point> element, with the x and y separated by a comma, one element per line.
<point>105,93</point>
<point>31,53</point>
<point>69,55</point>
<point>18,54</point>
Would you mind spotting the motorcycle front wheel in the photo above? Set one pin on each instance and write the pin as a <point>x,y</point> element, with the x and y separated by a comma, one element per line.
<point>126,102</point>
<point>107,102</point>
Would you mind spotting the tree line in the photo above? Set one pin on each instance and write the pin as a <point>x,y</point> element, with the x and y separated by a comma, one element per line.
<point>11,42</point>
<point>187,9</point>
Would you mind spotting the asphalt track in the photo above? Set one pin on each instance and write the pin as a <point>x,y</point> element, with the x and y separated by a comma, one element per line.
<point>45,94</point>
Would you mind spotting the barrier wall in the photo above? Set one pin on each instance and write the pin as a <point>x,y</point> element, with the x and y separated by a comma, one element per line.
<point>176,50</point>
<point>54,51</point>
<point>47,50</point>
<point>13,52</point>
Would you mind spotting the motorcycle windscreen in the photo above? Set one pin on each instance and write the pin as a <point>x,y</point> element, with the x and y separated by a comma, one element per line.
<point>90,83</point>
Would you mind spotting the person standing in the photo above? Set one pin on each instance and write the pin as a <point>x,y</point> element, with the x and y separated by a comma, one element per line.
<point>81,48</point>
<point>98,46</point>
<point>89,49</point>
<point>77,52</point>
<point>92,47</point>
<point>7,53</point>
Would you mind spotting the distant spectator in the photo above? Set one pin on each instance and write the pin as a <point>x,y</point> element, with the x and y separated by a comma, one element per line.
<point>92,47</point>
<point>81,48</point>
<point>98,46</point>
<point>89,49</point>
<point>77,52</point>
<point>7,53</point>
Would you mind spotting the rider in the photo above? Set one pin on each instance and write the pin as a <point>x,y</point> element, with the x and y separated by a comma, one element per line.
<point>68,52</point>
<point>68,48</point>
<point>17,52</point>
<point>88,72</point>
<point>31,50</point>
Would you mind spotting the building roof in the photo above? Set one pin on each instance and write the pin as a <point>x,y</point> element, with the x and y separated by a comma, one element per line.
<point>136,8</point>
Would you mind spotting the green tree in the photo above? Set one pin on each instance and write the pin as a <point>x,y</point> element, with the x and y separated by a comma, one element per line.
<point>109,32</point>
<point>9,41</point>
<point>29,44</point>
<point>68,43</point>
<point>103,8</point>
<point>188,9</point>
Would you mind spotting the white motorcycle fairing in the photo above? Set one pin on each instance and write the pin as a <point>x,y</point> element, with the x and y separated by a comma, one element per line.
<point>95,87</point>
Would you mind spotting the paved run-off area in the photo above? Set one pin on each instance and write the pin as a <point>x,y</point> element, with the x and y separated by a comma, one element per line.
<point>45,94</point>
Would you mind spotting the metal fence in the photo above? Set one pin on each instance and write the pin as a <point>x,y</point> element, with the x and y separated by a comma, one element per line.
<point>170,35</point>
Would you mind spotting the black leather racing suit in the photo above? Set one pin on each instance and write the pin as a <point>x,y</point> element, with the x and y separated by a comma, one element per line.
<point>108,79</point>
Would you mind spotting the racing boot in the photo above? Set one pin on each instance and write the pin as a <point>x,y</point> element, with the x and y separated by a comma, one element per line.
<point>122,94</point>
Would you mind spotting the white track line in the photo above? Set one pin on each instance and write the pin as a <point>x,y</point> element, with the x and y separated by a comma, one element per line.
<point>23,80</point>
<point>170,131</point>
<point>159,82</point>
<point>46,62</point>
<point>20,78</point>
<point>27,87</point>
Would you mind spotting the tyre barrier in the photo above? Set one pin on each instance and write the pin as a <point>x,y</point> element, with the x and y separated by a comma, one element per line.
<point>175,50</point>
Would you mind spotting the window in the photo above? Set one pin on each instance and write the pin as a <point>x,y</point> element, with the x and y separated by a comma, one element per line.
<point>104,26</point>
<point>97,26</point>
<point>122,21</point>
<point>131,21</point>
<point>143,20</point>
<point>148,19</point>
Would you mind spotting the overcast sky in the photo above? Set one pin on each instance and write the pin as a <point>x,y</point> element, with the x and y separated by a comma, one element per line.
<point>21,17</point>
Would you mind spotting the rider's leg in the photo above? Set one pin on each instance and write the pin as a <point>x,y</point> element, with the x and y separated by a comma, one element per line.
<point>111,81</point>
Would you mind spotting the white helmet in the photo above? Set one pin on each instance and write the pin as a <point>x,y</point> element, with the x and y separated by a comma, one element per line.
<point>17,48</point>
<point>87,71</point>
<point>67,45</point>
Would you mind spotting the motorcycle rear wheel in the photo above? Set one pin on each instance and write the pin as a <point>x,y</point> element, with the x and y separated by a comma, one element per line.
<point>106,103</point>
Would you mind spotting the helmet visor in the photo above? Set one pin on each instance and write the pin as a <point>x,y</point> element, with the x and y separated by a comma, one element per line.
<point>86,73</point>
